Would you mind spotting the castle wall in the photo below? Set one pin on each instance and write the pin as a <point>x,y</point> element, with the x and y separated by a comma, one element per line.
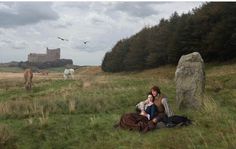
<point>33,57</point>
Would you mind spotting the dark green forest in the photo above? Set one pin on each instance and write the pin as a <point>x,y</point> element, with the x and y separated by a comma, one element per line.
<point>209,30</point>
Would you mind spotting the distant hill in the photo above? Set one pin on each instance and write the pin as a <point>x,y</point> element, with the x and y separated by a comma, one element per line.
<point>43,65</point>
<point>210,30</point>
<point>39,65</point>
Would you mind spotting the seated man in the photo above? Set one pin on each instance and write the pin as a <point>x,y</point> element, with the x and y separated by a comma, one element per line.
<point>160,101</point>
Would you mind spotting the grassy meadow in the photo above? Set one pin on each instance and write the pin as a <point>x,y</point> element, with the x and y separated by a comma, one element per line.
<point>80,113</point>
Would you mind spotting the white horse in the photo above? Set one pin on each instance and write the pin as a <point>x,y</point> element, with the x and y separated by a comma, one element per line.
<point>69,73</point>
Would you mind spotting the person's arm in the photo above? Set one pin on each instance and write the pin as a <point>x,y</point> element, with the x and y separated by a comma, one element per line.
<point>168,110</point>
<point>141,105</point>
<point>143,113</point>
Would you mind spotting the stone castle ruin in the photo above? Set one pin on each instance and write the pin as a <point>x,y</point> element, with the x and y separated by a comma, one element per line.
<point>51,55</point>
<point>42,61</point>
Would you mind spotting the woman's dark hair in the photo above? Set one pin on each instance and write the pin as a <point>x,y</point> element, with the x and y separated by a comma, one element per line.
<point>150,93</point>
<point>156,88</point>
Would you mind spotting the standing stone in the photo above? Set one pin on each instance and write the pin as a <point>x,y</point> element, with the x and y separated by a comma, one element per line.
<point>190,81</point>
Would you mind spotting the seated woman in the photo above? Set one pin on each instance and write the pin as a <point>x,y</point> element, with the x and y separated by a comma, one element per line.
<point>140,121</point>
<point>148,108</point>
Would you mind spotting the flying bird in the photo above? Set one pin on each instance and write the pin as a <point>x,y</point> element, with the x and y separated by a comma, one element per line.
<point>63,39</point>
<point>85,42</point>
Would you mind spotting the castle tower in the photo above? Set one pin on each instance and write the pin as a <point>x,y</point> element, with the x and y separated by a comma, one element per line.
<point>53,54</point>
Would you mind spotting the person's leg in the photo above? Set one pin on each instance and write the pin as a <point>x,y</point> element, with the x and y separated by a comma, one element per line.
<point>160,117</point>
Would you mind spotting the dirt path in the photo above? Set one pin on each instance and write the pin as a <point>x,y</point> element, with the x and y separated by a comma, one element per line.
<point>11,75</point>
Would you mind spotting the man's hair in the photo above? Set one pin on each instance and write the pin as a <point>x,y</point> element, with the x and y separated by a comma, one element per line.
<point>156,88</point>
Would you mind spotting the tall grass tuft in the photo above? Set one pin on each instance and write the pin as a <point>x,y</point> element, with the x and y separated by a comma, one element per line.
<point>209,105</point>
<point>72,105</point>
<point>215,118</point>
<point>5,135</point>
<point>29,121</point>
<point>15,108</point>
<point>43,120</point>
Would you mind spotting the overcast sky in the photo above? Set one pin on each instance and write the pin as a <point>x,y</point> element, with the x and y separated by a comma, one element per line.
<point>31,27</point>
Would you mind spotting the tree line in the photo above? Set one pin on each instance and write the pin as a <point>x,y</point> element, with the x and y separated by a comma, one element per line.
<point>209,30</point>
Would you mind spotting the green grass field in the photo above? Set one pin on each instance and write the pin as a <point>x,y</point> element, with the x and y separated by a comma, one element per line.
<point>10,69</point>
<point>81,113</point>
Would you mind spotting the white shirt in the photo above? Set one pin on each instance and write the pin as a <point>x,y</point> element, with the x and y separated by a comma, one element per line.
<point>168,110</point>
<point>144,104</point>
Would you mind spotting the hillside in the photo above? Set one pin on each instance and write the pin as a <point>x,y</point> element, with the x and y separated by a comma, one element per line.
<point>80,113</point>
<point>209,30</point>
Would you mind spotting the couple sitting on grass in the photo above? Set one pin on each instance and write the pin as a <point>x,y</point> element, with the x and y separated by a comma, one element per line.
<point>153,110</point>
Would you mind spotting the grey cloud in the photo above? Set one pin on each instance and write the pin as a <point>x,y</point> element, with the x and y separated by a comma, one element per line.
<point>23,13</point>
<point>63,25</point>
<point>97,21</point>
<point>14,44</point>
<point>20,47</point>
<point>80,5</point>
<point>86,48</point>
<point>89,47</point>
<point>136,9</point>
<point>6,41</point>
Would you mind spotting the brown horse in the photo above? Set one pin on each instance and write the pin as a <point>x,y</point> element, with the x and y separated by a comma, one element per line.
<point>44,73</point>
<point>28,75</point>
